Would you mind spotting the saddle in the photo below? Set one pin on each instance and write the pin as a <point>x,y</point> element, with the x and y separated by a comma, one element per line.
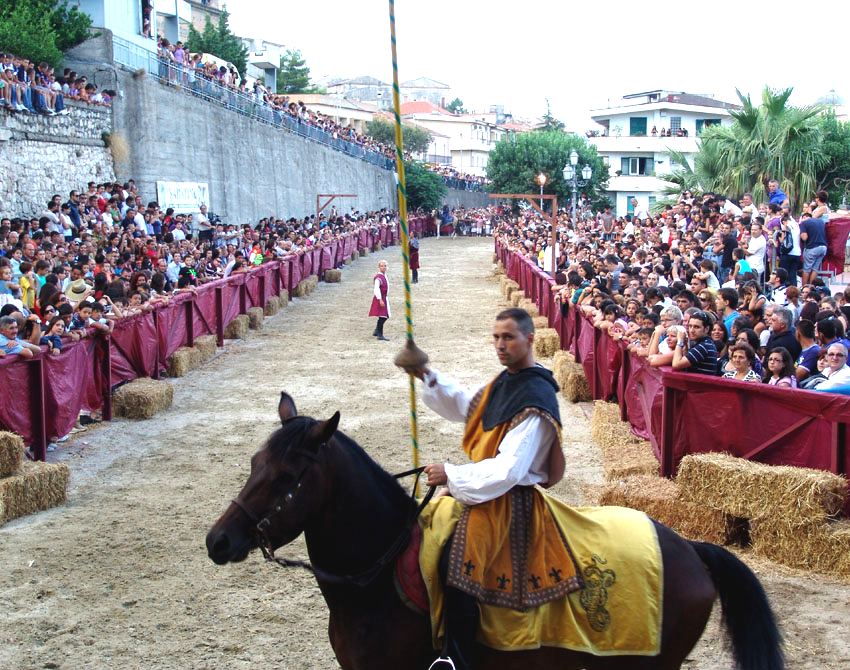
<point>615,611</point>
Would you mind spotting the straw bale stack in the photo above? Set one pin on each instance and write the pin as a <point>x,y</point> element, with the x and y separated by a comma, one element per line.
<point>500,267</point>
<point>530,307</point>
<point>752,490</point>
<point>313,282</point>
<point>821,547</point>
<point>560,367</point>
<point>11,453</point>
<point>540,322</point>
<point>302,289</point>
<point>347,260</point>
<point>516,298</point>
<point>660,499</point>
<point>623,453</point>
<point>182,361</point>
<point>272,306</point>
<point>512,287</point>
<point>284,298</point>
<point>378,246</point>
<point>546,342</point>
<point>333,276</point>
<point>364,252</point>
<point>576,388</point>
<point>142,398</point>
<point>255,318</point>
<point>237,329</point>
<point>33,488</point>
<point>206,347</point>
<point>355,255</point>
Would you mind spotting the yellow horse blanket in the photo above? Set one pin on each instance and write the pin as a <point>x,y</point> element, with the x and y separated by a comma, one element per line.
<point>617,611</point>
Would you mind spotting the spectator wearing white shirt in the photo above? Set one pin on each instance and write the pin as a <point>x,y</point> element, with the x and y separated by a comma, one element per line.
<point>755,248</point>
<point>838,372</point>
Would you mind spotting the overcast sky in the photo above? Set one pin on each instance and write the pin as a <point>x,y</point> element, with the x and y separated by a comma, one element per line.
<point>579,56</point>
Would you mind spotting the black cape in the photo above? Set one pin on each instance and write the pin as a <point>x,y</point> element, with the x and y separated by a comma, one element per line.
<point>512,393</point>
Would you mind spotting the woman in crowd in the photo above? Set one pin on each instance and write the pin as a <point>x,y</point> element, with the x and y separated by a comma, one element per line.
<point>741,358</point>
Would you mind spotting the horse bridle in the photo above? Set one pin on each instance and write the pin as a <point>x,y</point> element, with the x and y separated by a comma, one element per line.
<point>364,578</point>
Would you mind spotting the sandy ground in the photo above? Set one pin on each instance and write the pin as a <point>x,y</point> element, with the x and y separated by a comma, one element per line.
<point>119,577</point>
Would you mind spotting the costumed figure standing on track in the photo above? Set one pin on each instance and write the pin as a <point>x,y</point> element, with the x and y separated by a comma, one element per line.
<point>380,304</point>
<point>506,549</point>
<point>414,257</point>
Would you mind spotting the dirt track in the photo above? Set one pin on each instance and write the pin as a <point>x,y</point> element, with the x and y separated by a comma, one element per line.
<point>119,578</point>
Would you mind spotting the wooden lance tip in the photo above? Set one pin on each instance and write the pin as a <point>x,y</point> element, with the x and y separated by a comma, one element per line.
<point>411,357</point>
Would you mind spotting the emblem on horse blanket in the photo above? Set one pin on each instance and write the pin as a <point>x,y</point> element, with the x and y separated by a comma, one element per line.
<point>616,610</point>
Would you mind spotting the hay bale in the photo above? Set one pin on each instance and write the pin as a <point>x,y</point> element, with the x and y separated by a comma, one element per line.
<point>546,342</point>
<point>516,298</point>
<point>347,260</point>
<point>530,307</point>
<point>142,398</point>
<point>364,252</point>
<point>255,318</point>
<point>511,289</point>
<point>576,388</point>
<point>660,499</point>
<point>284,299</point>
<point>354,255</point>
<point>237,329</point>
<point>508,287</point>
<point>560,366</point>
<point>37,486</point>
<point>333,276</point>
<point>312,283</point>
<point>819,547</point>
<point>272,306</point>
<point>11,453</point>
<point>540,322</point>
<point>378,246</point>
<point>182,362</point>
<point>206,347</point>
<point>754,490</point>
<point>302,290</point>
<point>624,454</point>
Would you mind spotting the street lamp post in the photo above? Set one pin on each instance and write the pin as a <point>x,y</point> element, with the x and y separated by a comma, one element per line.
<point>571,177</point>
<point>541,179</point>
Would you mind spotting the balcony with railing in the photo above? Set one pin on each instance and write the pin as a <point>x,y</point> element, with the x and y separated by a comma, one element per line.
<point>135,58</point>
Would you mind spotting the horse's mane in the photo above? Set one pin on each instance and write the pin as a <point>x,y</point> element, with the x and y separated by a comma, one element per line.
<point>341,446</point>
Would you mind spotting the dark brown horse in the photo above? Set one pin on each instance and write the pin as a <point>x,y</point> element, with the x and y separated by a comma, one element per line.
<point>310,478</point>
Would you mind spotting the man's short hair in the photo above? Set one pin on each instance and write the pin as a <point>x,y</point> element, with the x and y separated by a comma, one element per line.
<point>806,328</point>
<point>785,314</point>
<point>731,296</point>
<point>522,319</point>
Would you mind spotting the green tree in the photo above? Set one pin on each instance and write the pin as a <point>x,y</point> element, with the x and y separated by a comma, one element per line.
<point>40,30</point>
<point>516,161</point>
<point>456,106</point>
<point>293,75</point>
<point>425,189</point>
<point>835,147</point>
<point>416,139</point>
<point>549,122</point>
<point>770,141</point>
<point>219,41</point>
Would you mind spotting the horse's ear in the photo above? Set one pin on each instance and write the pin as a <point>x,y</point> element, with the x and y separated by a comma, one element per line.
<point>323,431</point>
<point>286,407</point>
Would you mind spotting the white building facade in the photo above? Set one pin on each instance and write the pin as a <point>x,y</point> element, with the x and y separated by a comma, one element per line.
<point>634,145</point>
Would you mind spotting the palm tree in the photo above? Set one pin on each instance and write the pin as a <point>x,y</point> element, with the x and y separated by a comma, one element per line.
<point>770,141</point>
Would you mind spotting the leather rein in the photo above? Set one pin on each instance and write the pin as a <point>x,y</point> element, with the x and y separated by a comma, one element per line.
<point>361,579</point>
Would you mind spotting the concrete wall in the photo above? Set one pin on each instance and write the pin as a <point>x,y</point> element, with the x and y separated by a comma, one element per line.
<point>253,170</point>
<point>41,155</point>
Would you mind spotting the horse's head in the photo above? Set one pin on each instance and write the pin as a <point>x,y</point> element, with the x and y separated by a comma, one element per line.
<point>282,491</point>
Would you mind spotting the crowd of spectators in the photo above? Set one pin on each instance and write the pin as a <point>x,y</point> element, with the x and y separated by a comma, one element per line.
<point>35,89</point>
<point>459,180</point>
<point>103,254</point>
<point>710,285</point>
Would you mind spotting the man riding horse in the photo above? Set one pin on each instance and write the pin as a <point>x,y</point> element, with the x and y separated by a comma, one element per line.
<point>513,438</point>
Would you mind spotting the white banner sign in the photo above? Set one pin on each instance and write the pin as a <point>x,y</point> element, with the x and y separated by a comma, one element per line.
<point>183,196</point>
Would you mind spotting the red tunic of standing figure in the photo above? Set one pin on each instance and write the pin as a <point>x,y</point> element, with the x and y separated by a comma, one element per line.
<point>377,309</point>
<point>414,255</point>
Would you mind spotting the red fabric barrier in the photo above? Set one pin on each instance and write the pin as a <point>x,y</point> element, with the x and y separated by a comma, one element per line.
<point>837,231</point>
<point>295,274</point>
<point>72,382</point>
<point>327,257</point>
<point>306,264</point>
<point>134,348</point>
<point>16,396</point>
